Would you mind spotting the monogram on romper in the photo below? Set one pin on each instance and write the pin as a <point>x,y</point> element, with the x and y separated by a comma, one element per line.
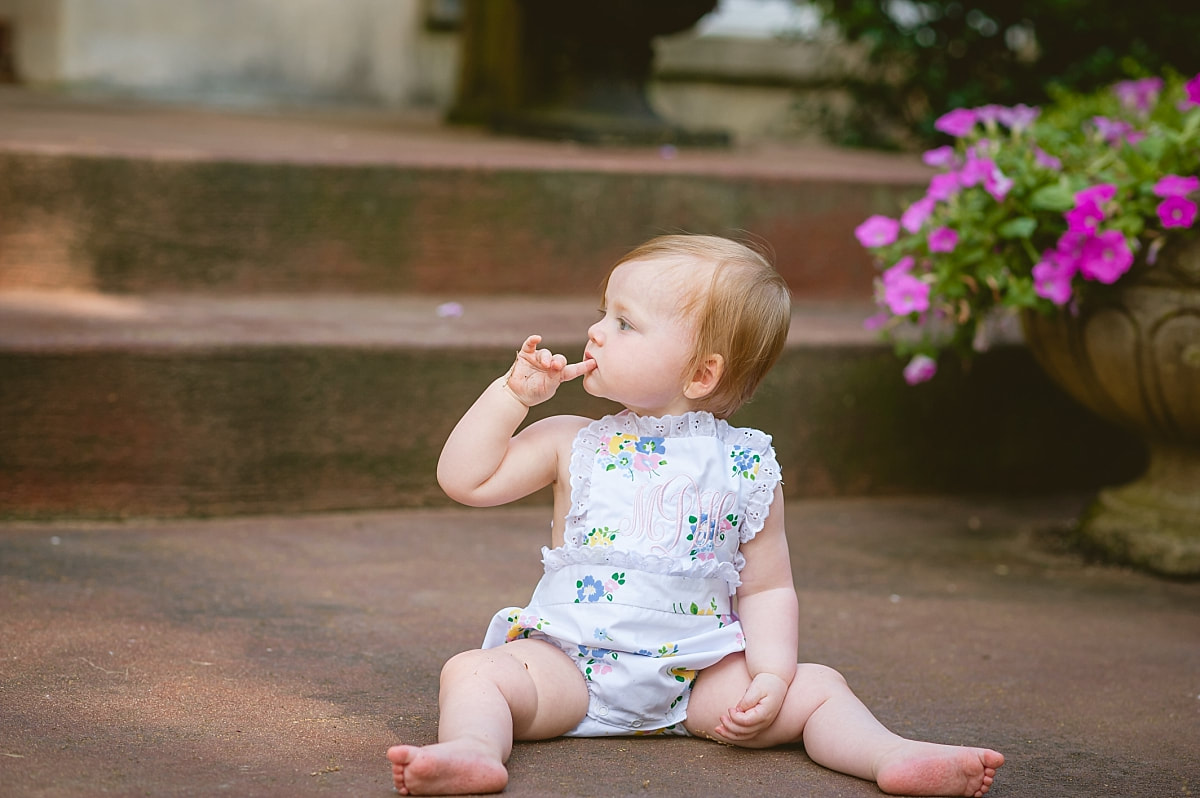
<point>676,515</point>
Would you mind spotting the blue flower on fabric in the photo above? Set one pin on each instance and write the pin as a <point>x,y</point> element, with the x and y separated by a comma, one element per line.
<point>594,653</point>
<point>745,462</point>
<point>651,445</point>
<point>589,589</point>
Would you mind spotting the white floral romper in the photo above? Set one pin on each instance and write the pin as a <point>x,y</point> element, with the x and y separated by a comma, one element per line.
<point>640,594</point>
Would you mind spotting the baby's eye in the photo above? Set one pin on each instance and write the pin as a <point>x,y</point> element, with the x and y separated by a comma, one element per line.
<point>623,325</point>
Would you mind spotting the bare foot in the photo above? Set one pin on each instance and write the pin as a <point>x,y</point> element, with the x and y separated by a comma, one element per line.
<point>456,768</point>
<point>918,768</point>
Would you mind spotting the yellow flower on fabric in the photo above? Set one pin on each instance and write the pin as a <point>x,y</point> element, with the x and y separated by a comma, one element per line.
<point>621,442</point>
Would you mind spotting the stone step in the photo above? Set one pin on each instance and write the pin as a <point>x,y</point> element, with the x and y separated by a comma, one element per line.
<point>132,199</point>
<point>172,405</point>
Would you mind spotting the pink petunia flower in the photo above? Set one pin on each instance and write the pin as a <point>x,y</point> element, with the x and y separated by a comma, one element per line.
<point>906,294</point>
<point>997,184</point>
<point>915,216</point>
<point>901,267</point>
<point>943,239</point>
<point>940,157</point>
<point>975,171</point>
<point>1177,212</point>
<point>875,322</point>
<point>943,187</point>
<point>877,231</point>
<point>1052,277</point>
<point>958,123</point>
<point>920,369</point>
<point>986,114</point>
<point>1192,89</point>
<point>1085,217</point>
<point>1019,117</point>
<point>1046,160</point>
<point>1138,95</point>
<point>1117,131</point>
<point>1105,257</point>
<point>1176,186</point>
<point>1099,193</point>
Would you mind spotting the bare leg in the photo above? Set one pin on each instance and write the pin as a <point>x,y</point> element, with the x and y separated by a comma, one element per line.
<point>527,689</point>
<point>840,733</point>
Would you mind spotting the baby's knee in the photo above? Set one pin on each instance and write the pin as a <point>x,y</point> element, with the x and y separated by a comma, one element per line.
<point>815,675</point>
<point>468,663</point>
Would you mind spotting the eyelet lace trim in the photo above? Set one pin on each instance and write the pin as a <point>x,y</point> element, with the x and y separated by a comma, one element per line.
<point>692,424</point>
<point>565,555</point>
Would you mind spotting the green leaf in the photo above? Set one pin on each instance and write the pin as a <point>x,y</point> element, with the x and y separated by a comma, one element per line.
<point>1052,198</point>
<point>1021,227</point>
<point>1153,147</point>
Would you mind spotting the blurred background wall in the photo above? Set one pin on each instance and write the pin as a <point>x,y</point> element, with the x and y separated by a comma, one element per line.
<point>755,67</point>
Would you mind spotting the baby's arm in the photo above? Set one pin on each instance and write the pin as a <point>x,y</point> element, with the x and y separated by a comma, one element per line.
<point>768,611</point>
<point>482,463</point>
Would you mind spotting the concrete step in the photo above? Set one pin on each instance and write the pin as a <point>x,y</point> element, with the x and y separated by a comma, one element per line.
<point>172,405</point>
<point>132,199</point>
<point>206,312</point>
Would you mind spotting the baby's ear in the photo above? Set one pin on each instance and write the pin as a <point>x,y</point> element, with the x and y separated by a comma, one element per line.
<point>706,377</point>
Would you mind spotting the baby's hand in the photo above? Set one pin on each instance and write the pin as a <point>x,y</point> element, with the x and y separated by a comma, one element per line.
<point>756,711</point>
<point>537,373</point>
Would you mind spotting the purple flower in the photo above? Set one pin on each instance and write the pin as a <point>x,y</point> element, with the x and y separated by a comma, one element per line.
<point>940,157</point>
<point>1099,193</point>
<point>1019,117</point>
<point>1117,131</point>
<point>1138,95</point>
<point>943,239</point>
<point>877,231</point>
<point>957,123</point>
<point>1176,186</point>
<point>1177,212</point>
<point>1105,257</point>
<point>920,369</point>
<point>989,113</point>
<point>876,322</point>
<point>997,184</point>
<point>1192,88</point>
<point>1046,160</point>
<point>1088,212</point>
<point>943,187</point>
<point>1085,217</point>
<point>1052,276</point>
<point>975,171</point>
<point>900,267</point>
<point>915,215</point>
<point>1070,244</point>
<point>906,294</point>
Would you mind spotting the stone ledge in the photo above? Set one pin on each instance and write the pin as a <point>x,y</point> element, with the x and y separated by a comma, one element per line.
<point>65,321</point>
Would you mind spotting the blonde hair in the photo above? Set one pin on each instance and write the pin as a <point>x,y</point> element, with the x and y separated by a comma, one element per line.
<point>741,314</point>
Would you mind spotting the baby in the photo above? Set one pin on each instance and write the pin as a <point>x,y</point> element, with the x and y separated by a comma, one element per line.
<point>667,604</point>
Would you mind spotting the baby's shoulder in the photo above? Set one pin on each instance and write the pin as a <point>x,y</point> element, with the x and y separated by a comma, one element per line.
<point>560,431</point>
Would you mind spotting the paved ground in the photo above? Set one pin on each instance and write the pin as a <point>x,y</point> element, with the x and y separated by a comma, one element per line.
<point>282,655</point>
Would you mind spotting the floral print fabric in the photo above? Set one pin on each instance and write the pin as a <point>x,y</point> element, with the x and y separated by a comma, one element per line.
<point>640,594</point>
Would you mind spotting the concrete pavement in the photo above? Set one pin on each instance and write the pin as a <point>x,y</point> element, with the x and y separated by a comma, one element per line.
<point>263,656</point>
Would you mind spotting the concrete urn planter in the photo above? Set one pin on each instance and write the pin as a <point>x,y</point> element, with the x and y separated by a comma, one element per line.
<point>1132,355</point>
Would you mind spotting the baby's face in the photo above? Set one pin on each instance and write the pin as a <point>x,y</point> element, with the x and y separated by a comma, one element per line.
<point>643,345</point>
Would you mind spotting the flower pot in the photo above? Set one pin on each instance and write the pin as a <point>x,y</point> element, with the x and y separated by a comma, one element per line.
<point>1132,355</point>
